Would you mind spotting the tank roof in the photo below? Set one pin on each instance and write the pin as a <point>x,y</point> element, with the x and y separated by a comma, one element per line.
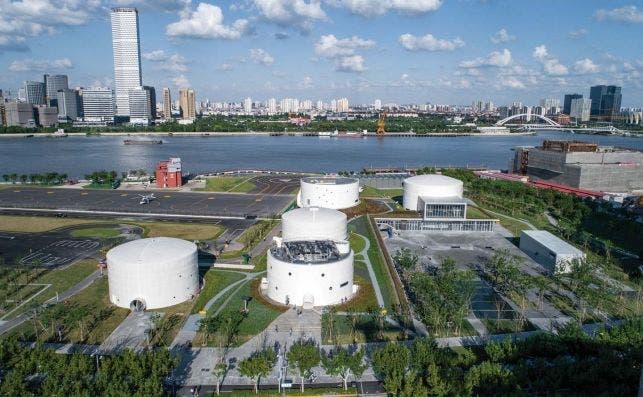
<point>330,180</point>
<point>313,215</point>
<point>433,180</point>
<point>152,250</point>
<point>306,252</point>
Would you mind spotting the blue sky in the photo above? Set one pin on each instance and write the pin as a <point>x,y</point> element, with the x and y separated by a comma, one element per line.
<point>449,51</point>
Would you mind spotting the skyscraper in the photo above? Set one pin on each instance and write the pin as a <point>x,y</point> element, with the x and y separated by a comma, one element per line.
<point>606,101</point>
<point>98,105</point>
<point>247,105</point>
<point>34,92</point>
<point>127,56</point>
<point>142,105</point>
<point>567,102</point>
<point>53,83</point>
<point>187,104</point>
<point>167,104</point>
<point>68,104</point>
<point>580,109</point>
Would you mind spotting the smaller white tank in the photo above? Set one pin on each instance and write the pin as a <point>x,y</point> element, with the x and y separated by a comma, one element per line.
<point>314,223</point>
<point>431,185</point>
<point>328,192</point>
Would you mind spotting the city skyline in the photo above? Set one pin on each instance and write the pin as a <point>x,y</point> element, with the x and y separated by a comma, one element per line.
<point>410,51</point>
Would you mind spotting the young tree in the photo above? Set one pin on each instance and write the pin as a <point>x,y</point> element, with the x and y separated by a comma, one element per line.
<point>342,363</point>
<point>302,357</point>
<point>219,371</point>
<point>390,364</point>
<point>258,365</point>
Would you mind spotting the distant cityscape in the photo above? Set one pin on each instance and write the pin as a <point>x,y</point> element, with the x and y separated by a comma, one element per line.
<point>51,102</point>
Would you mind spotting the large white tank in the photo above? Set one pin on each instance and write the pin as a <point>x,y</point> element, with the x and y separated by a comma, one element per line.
<point>152,273</point>
<point>309,282</point>
<point>328,192</point>
<point>432,185</point>
<point>314,223</point>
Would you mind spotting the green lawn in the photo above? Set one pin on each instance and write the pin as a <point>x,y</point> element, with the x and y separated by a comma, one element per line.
<point>60,280</point>
<point>215,281</point>
<point>364,299</point>
<point>368,191</point>
<point>475,213</point>
<point>99,232</point>
<point>239,184</point>
<point>357,242</point>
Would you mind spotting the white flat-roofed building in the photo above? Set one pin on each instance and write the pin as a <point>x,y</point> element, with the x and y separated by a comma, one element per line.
<point>152,273</point>
<point>432,185</point>
<point>328,192</point>
<point>551,252</point>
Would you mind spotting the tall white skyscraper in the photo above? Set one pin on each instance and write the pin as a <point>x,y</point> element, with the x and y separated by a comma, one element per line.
<point>272,106</point>
<point>247,105</point>
<point>127,56</point>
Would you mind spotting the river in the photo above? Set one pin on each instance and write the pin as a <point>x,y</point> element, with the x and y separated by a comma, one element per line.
<point>80,155</point>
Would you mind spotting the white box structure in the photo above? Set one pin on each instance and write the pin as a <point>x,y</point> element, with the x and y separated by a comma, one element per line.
<point>549,251</point>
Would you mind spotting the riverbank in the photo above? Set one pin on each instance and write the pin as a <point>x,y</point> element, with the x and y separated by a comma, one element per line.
<point>261,133</point>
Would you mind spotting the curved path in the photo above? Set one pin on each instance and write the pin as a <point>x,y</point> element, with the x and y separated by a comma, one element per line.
<point>371,272</point>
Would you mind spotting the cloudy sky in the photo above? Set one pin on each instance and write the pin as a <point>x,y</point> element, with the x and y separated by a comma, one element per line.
<point>438,51</point>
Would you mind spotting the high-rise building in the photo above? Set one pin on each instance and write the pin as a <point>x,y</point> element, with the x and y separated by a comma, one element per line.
<point>98,105</point>
<point>167,104</point>
<point>34,92</point>
<point>342,105</point>
<point>68,105</point>
<point>54,83</point>
<point>580,109</point>
<point>333,105</point>
<point>272,106</point>
<point>142,105</point>
<point>19,114</point>
<point>127,56</point>
<point>247,105</point>
<point>606,101</point>
<point>47,116</point>
<point>187,104</point>
<point>377,104</point>
<point>289,105</point>
<point>567,102</point>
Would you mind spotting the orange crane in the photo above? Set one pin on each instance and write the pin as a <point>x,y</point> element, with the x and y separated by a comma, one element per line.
<point>381,123</point>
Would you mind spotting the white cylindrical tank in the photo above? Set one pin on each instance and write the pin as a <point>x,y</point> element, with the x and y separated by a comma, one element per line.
<point>314,223</point>
<point>328,192</point>
<point>432,185</point>
<point>310,284</point>
<point>152,273</point>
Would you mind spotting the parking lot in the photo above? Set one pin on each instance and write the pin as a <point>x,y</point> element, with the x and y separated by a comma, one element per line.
<point>176,203</point>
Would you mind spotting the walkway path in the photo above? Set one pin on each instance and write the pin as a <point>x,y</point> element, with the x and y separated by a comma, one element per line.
<point>371,272</point>
<point>130,334</point>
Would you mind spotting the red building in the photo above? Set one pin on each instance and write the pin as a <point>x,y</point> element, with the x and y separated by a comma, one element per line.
<point>168,173</point>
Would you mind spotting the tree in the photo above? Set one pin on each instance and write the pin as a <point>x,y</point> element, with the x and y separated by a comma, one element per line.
<point>405,259</point>
<point>342,363</point>
<point>302,357</point>
<point>390,364</point>
<point>219,371</point>
<point>258,365</point>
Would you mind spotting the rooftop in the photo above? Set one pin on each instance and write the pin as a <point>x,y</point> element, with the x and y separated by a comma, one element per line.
<point>433,180</point>
<point>329,180</point>
<point>307,252</point>
<point>443,200</point>
<point>552,242</point>
<point>151,250</point>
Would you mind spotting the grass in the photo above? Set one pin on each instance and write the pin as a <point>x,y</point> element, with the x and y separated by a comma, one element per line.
<point>514,226</point>
<point>366,330</point>
<point>476,213</point>
<point>95,299</point>
<point>229,184</point>
<point>368,191</point>
<point>215,281</point>
<point>260,313</point>
<point>364,299</point>
<point>37,224</point>
<point>99,232</point>
<point>173,318</point>
<point>186,231</point>
<point>61,280</point>
<point>506,326</point>
<point>357,242</point>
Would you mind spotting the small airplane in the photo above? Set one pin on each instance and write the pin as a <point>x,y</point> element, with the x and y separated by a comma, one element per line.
<point>146,198</point>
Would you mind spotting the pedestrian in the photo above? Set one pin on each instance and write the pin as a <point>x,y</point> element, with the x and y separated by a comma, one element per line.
<point>291,331</point>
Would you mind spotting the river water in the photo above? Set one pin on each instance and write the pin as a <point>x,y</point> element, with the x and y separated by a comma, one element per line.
<point>80,155</point>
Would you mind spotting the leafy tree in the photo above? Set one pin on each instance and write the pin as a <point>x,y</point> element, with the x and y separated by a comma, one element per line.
<point>302,357</point>
<point>390,364</point>
<point>219,371</point>
<point>258,365</point>
<point>342,363</point>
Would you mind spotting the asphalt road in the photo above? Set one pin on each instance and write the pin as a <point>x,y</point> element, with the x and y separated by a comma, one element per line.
<point>175,203</point>
<point>276,184</point>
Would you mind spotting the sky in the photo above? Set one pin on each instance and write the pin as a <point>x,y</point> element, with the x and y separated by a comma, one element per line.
<point>398,51</point>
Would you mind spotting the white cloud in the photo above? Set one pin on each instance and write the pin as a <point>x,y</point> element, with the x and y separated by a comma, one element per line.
<point>206,22</point>
<point>372,8</point>
<point>502,36</point>
<point>586,66</point>
<point>306,83</point>
<point>162,5</point>
<point>512,82</point>
<point>225,67</point>
<point>259,55</point>
<point>297,13</point>
<point>495,58</point>
<point>342,51</point>
<point>181,81</point>
<point>429,43</point>
<point>629,14</point>
<point>34,65</point>
<point>171,63</point>
<point>551,65</point>
<point>577,34</point>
